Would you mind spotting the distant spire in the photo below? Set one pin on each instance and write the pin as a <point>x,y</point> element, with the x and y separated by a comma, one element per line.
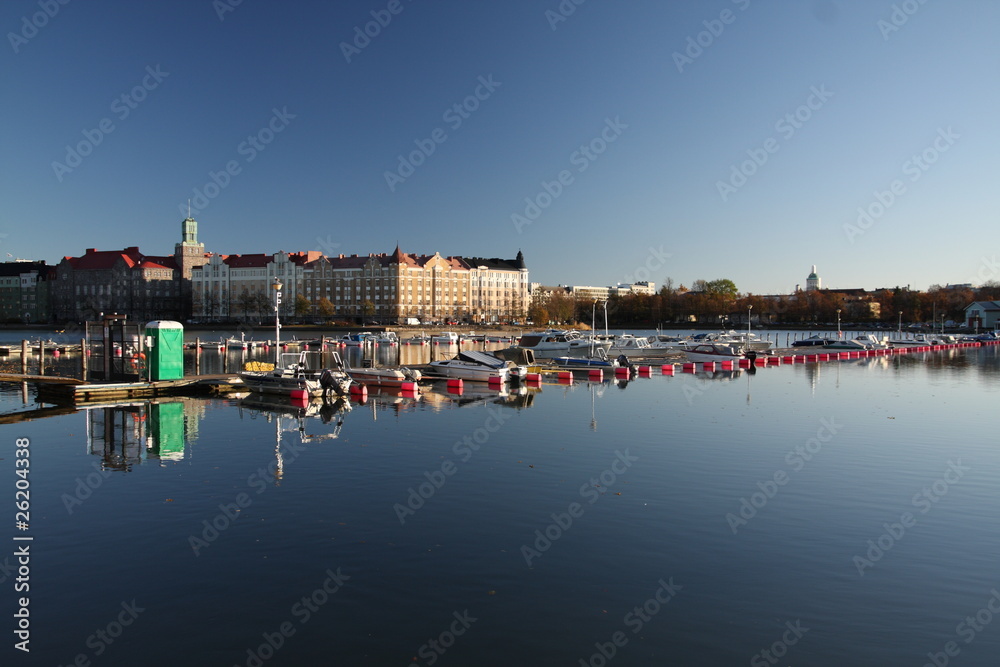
<point>189,208</point>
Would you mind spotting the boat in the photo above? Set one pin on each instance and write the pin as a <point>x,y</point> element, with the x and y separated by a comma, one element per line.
<point>598,358</point>
<point>356,339</point>
<point>387,338</point>
<point>637,346</point>
<point>417,340</point>
<point>861,342</point>
<point>554,340</point>
<point>714,351</point>
<point>445,338</point>
<point>295,376</point>
<point>478,367</point>
<point>388,376</point>
<point>812,341</point>
<point>672,343</point>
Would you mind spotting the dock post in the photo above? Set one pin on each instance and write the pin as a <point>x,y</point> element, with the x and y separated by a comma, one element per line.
<point>41,357</point>
<point>197,355</point>
<point>225,359</point>
<point>24,357</point>
<point>83,359</point>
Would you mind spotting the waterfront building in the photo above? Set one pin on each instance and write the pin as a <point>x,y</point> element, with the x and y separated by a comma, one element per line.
<point>387,288</point>
<point>982,314</point>
<point>127,282</point>
<point>24,291</point>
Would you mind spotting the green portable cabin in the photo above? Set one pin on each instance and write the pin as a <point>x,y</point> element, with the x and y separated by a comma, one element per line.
<point>165,350</point>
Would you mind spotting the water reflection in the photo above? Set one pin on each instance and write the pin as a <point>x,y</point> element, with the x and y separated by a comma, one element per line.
<point>126,434</point>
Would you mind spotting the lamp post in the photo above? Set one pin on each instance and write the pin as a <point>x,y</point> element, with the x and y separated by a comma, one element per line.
<point>839,334</point>
<point>900,324</point>
<point>749,309</point>
<point>277,325</point>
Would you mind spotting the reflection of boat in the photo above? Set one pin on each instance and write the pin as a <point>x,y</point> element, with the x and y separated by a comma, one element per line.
<point>295,376</point>
<point>277,407</point>
<point>717,352</point>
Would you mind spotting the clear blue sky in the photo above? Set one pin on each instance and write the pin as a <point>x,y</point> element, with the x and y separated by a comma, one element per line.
<point>672,131</point>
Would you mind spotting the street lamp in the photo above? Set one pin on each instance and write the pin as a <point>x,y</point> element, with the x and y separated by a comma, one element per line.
<point>277,325</point>
<point>749,308</point>
<point>839,334</point>
<point>900,324</point>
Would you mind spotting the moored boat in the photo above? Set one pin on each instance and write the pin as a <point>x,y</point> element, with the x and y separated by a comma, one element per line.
<point>295,376</point>
<point>718,352</point>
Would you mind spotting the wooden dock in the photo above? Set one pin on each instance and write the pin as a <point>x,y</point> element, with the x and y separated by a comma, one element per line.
<point>73,391</point>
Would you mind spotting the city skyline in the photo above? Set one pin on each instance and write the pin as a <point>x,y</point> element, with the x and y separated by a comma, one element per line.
<point>610,144</point>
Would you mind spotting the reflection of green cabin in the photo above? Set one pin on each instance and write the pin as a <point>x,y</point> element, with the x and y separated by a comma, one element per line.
<point>165,356</point>
<point>166,430</point>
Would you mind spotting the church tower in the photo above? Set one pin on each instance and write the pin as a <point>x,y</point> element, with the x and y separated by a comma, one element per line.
<point>813,282</point>
<point>188,254</point>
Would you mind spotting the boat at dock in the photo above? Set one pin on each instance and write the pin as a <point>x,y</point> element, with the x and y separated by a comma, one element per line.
<point>861,342</point>
<point>388,376</point>
<point>478,367</point>
<point>637,346</point>
<point>813,341</point>
<point>714,351</point>
<point>295,376</point>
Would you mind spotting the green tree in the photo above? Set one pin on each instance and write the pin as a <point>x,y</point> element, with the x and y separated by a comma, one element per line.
<point>326,308</point>
<point>303,307</point>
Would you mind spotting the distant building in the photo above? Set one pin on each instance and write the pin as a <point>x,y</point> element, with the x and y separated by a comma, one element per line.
<point>389,288</point>
<point>127,282</point>
<point>982,314</point>
<point>813,281</point>
<point>24,291</point>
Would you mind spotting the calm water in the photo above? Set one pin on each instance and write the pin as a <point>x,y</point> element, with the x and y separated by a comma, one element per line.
<point>842,513</point>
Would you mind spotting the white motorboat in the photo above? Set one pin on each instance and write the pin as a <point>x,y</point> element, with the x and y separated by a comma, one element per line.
<point>478,367</point>
<point>862,342</point>
<point>395,377</point>
<point>673,343</point>
<point>295,376</point>
<point>445,338</point>
<point>636,346</point>
<point>357,339</point>
<point>554,340</point>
